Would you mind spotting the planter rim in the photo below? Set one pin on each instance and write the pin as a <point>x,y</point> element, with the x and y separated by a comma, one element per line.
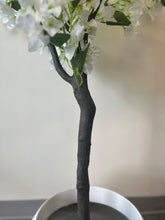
<point>97,195</point>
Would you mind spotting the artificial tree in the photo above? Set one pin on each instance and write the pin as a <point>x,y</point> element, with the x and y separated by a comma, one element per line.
<point>67,28</point>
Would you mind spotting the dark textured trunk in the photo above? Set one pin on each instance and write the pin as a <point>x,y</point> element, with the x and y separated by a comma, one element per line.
<point>87,113</point>
<point>87,108</point>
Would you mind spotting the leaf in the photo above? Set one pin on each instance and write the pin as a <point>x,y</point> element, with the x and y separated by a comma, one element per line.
<point>59,39</point>
<point>75,3</point>
<point>79,59</point>
<point>163,2</point>
<point>78,62</point>
<point>121,19</point>
<point>78,77</point>
<point>15,5</point>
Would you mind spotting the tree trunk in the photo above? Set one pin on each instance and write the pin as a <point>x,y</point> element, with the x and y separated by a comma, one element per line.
<point>87,108</point>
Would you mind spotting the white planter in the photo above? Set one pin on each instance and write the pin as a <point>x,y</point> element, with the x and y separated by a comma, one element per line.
<point>97,195</point>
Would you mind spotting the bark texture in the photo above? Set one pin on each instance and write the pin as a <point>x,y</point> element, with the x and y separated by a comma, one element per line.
<point>87,113</point>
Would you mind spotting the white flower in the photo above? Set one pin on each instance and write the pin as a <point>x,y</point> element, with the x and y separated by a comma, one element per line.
<point>6,10</point>
<point>84,15</point>
<point>52,25</point>
<point>60,2</point>
<point>88,66</point>
<point>92,27</point>
<point>77,31</point>
<point>133,9</point>
<point>7,14</point>
<point>26,3</point>
<point>108,13</point>
<point>44,38</point>
<point>10,22</point>
<point>37,40</point>
<point>69,51</point>
<point>154,7</point>
<point>93,52</point>
<point>46,10</point>
<point>35,44</point>
<point>25,21</point>
<point>43,19</point>
<point>56,11</point>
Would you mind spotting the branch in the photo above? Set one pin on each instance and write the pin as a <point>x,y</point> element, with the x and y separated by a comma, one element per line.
<point>58,65</point>
<point>94,12</point>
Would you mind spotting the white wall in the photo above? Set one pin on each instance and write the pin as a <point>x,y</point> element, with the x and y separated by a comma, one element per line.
<point>39,117</point>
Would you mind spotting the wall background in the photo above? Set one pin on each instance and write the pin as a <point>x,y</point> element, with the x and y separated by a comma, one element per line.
<point>39,117</point>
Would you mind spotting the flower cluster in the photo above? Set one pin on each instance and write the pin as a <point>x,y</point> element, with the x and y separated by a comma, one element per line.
<point>71,24</point>
<point>154,7</point>
<point>132,10</point>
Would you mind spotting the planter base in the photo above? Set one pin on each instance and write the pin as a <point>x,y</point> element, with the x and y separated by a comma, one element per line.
<point>97,212</point>
<point>101,198</point>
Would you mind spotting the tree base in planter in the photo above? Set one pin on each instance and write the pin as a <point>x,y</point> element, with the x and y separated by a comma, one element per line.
<point>98,195</point>
<point>97,212</point>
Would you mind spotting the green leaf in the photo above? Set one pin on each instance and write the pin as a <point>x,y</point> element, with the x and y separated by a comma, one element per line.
<point>75,3</point>
<point>106,3</point>
<point>78,62</point>
<point>79,78</point>
<point>59,39</point>
<point>79,59</point>
<point>121,19</point>
<point>15,5</point>
<point>163,2</point>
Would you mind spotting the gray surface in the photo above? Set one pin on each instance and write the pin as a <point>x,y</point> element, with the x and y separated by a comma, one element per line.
<point>19,210</point>
<point>152,208</point>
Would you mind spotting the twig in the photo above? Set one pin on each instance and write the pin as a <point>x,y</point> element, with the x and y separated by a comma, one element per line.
<point>60,70</point>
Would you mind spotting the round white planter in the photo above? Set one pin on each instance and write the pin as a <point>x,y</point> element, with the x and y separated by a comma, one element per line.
<point>97,195</point>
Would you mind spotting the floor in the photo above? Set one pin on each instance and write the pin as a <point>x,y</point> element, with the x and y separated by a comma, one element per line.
<point>152,208</point>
